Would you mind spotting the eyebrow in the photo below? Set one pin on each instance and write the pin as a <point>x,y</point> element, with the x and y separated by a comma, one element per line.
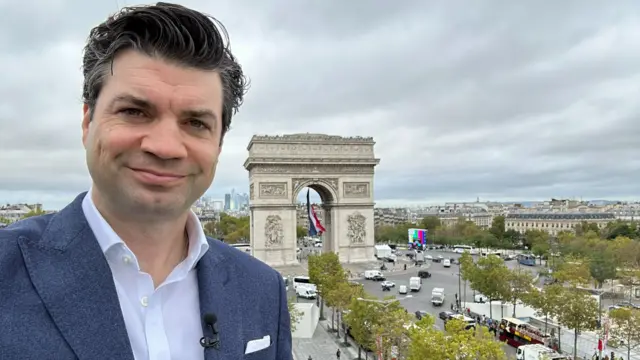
<point>147,105</point>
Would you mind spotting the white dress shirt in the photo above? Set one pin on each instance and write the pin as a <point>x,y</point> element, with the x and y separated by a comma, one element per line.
<point>162,323</point>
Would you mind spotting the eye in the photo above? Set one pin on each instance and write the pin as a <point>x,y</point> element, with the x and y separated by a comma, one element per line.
<point>131,112</point>
<point>197,124</point>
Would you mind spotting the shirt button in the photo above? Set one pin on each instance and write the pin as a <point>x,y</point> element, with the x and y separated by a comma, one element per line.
<point>126,259</point>
<point>144,301</point>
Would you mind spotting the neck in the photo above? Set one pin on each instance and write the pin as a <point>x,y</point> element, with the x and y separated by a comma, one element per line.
<point>159,246</point>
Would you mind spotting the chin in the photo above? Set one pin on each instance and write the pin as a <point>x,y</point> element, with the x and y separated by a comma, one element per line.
<point>159,203</point>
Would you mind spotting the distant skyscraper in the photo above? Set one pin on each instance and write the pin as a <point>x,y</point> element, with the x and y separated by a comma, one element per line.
<point>227,201</point>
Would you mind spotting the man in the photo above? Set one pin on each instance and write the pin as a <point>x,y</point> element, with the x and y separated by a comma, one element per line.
<point>125,271</point>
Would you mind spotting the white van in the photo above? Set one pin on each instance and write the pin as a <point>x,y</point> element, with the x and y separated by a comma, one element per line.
<point>538,351</point>
<point>303,281</point>
<point>305,292</point>
<point>370,274</point>
<point>446,263</point>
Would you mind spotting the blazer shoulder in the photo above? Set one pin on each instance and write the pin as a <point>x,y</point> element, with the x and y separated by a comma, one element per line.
<point>10,254</point>
<point>31,228</point>
<point>244,263</point>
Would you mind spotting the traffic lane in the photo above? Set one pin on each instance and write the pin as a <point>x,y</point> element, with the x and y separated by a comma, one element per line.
<point>420,300</point>
<point>510,264</point>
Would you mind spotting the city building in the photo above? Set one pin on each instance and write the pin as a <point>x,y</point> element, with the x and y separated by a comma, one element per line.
<point>391,216</point>
<point>15,212</point>
<point>553,223</point>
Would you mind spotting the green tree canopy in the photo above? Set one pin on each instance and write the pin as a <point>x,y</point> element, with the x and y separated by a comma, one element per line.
<point>455,343</point>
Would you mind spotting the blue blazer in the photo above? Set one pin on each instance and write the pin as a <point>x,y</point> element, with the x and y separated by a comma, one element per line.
<point>58,300</point>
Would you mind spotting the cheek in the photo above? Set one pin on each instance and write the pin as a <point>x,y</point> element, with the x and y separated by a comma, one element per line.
<point>207,160</point>
<point>108,143</point>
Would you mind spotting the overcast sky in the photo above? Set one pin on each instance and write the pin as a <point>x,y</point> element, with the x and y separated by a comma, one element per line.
<point>505,100</point>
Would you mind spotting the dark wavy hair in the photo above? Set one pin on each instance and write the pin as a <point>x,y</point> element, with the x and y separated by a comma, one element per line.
<point>171,32</point>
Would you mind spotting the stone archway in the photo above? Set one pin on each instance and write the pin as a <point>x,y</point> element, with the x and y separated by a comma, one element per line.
<point>339,168</point>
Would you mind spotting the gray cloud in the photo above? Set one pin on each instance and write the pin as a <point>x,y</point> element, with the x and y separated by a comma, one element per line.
<point>489,99</point>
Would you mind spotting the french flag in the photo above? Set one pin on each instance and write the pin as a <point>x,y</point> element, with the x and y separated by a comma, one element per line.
<point>315,227</point>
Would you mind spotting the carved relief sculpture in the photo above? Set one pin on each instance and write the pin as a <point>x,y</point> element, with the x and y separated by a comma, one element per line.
<point>298,183</point>
<point>273,231</point>
<point>273,190</point>
<point>356,229</point>
<point>252,194</point>
<point>356,189</point>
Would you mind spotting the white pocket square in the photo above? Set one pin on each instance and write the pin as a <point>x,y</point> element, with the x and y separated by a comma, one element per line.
<point>258,344</point>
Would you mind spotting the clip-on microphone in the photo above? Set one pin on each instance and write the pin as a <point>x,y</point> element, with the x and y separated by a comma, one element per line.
<point>206,342</point>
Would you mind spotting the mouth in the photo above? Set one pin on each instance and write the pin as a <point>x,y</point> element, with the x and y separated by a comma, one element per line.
<point>154,177</point>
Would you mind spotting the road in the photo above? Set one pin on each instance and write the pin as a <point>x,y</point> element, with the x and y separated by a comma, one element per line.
<point>442,277</point>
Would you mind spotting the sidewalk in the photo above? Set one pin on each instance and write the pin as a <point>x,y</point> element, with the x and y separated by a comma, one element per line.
<point>323,345</point>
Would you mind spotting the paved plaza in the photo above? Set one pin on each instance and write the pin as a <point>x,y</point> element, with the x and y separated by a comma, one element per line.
<point>323,345</point>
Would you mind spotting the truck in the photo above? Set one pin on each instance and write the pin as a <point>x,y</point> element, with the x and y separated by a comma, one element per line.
<point>382,251</point>
<point>538,352</point>
<point>419,256</point>
<point>437,296</point>
<point>415,283</point>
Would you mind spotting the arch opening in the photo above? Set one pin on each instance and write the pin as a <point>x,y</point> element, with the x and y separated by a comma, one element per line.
<point>321,200</point>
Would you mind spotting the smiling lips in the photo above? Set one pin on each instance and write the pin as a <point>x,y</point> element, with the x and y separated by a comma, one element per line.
<point>153,177</point>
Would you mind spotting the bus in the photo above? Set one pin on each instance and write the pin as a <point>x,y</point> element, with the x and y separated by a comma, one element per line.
<point>302,281</point>
<point>527,259</point>
<point>516,332</point>
<point>459,249</point>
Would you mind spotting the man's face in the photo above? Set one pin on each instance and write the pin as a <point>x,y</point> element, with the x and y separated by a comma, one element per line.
<point>154,140</point>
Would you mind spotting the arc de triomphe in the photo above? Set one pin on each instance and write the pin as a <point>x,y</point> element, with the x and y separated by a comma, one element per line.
<point>339,168</point>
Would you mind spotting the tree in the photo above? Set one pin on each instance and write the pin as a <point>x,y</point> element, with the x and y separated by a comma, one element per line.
<point>532,237</point>
<point>4,221</point>
<point>626,326</point>
<point>301,232</point>
<point>359,319</point>
<point>339,297</point>
<point>585,227</point>
<point>326,272</point>
<point>391,327</point>
<point>541,249</point>
<point>294,314</point>
<point>575,271</point>
<point>520,283</point>
<point>430,223</point>
<point>511,237</point>
<point>497,227</point>
<point>455,343</point>
<point>577,311</point>
<point>488,278</point>
<point>602,267</point>
<point>546,302</point>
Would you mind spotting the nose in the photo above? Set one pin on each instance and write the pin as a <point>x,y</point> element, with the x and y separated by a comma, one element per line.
<point>164,140</point>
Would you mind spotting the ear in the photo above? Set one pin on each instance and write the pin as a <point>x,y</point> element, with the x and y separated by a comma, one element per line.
<point>86,121</point>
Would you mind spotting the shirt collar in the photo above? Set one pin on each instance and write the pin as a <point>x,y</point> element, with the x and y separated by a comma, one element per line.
<point>107,238</point>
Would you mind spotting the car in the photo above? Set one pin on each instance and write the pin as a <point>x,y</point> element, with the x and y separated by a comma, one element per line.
<point>428,257</point>
<point>423,274</point>
<point>420,314</point>
<point>446,315</point>
<point>378,278</point>
<point>402,289</point>
<point>388,283</point>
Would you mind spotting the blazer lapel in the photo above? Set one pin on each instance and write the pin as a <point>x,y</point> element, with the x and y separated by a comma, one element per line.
<point>219,294</point>
<point>72,277</point>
